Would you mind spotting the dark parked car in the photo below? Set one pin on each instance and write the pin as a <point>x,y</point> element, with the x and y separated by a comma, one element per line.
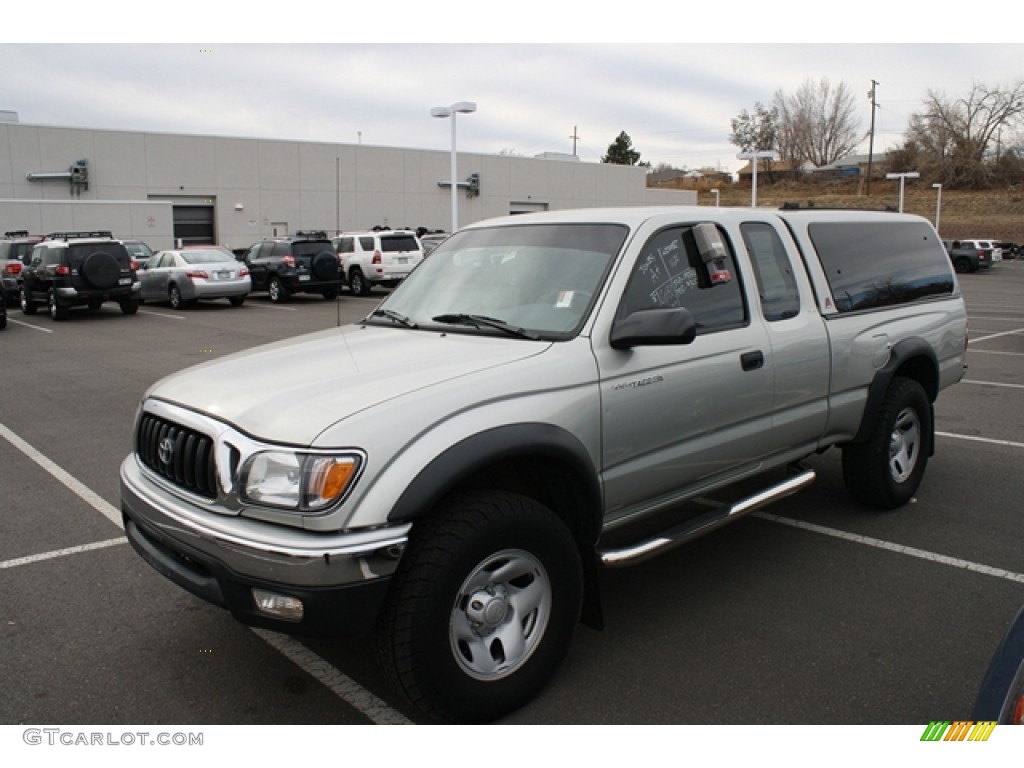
<point>15,249</point>
<point>70,269</point>
<point>3,307</point>
<point>1001,698</point>
<point>967,257</point>
<point>305,263</point>
<point>139,251</point>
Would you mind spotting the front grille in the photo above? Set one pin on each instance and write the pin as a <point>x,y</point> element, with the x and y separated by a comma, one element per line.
<point>186,460</point>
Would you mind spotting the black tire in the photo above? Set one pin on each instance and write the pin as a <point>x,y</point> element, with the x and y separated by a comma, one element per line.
<point>278,293</point>
<point>962,266</point>
<point>358,284</point>
<point>28,307</point>
<point>330,294</point>
<point>95,304</point>
<point>174,296</point>
<point>886,469</point>
<point>101,269</point>
<point>58,311</point>
<point>3,321</point>
<point>236,301</point>
<point>464,646</point>
<point>129,306</point>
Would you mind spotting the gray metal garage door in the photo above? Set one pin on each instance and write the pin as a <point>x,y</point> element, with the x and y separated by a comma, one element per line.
<point>193,224</point>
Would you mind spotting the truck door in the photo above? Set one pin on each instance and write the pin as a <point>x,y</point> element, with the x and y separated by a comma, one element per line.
<point>677,416</point>
<point>798,356</point>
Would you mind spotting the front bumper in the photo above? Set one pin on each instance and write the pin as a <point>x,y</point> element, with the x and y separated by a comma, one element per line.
<point>341,578</point>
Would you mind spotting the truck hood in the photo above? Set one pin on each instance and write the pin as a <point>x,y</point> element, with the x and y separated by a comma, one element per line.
<point>291,391</point>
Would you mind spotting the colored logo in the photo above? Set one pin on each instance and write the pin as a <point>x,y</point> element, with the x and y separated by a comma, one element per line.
<point>961,730</point>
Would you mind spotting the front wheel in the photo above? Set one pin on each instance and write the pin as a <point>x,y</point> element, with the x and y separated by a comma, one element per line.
<point>58,311</point>
<point>482,607</point>
<point>885,470</point>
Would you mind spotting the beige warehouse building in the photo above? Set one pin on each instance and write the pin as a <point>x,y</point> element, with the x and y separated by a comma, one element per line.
<point>162,187</point>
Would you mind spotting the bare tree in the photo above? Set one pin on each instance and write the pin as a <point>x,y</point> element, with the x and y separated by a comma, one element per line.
<point>818,123</point>
<point>958,140</point>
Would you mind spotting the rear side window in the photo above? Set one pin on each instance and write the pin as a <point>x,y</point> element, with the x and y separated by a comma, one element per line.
<point>393,243</point>
<point>311,247</point>
<point>773,270</point>
<point>366,243</point>
<point>671,273</point>
<point>881,263</point>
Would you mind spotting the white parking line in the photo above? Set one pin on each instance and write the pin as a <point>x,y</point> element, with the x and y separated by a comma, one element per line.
<point>328,675</point>
<point>29,325</point>
<point>989,440</point>
<point>62,552</point>
<point>992,383</point>
<point>897,548</point>
<point>83,492</point>
<point>994,336</point>
<point>270,306</point>
<point>161,314</point>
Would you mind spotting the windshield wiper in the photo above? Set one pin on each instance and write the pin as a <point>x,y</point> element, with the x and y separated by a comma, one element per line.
<point>398,317</point>
<point>484,321</point>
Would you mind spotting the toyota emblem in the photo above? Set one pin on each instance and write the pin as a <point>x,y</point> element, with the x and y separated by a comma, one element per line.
<point>166,451</point>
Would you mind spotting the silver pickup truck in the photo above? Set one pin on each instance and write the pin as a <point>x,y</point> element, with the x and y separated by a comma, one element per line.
<point>453,471</point>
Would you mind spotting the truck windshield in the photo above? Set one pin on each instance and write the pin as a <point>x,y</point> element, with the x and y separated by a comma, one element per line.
<point>540,279</point>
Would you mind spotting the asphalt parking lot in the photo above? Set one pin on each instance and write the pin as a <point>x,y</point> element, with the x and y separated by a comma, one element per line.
<point>812,612</point>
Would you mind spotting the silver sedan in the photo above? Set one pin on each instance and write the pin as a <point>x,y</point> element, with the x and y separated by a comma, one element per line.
<point>185,275</point>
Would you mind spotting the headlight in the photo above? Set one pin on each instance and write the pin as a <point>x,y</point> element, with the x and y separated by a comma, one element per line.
<point>300,481</point>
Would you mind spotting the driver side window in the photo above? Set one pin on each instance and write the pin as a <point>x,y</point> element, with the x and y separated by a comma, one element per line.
<point>670,272</point>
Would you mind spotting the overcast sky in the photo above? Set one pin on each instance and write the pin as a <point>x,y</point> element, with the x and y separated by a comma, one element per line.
<point>674,99</point>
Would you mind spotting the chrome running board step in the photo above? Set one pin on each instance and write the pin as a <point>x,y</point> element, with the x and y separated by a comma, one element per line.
<point>693,528</point>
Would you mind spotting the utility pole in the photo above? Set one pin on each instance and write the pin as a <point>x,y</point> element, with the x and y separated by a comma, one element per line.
<point>871,142</point>
<point>574,137</point>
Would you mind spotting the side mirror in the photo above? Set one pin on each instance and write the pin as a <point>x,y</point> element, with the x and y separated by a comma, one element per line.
<point>655,327</point>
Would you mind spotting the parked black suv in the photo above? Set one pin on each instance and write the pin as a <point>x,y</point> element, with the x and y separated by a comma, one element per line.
<point>305,263</point>
<point>70,269</point>
<point>15,249</point>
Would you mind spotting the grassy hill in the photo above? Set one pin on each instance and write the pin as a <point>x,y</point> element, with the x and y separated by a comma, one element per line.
<point>991,214</point>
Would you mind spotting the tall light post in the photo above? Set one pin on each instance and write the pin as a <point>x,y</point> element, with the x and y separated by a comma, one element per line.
<point>716,194</point>
<point>903,177</point>
<point>938,204</point>
<point>464,107</point>
<point>755,158</point>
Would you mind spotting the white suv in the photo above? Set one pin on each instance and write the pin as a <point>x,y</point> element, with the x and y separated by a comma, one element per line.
<point>992,246</point>
<point>382,258</point>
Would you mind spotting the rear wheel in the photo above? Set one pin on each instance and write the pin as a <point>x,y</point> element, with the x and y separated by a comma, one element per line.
<point>28,307</point>
<point>885,470</point>
<point>58,311</point>
<point>962,266</point>
<point>237,301</point>
<point>278,293</point>
<point>358,284</point>
<point>330,294</point>
<point>129,306</point>
<point>482,608</point>
<point>174,296</point>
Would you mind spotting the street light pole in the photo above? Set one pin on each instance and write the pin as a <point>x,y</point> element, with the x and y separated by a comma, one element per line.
<point>755,158</point>
<point>716,194</point>
<point>903,177</point>
<point>465,107</point>
<point>938,204</point>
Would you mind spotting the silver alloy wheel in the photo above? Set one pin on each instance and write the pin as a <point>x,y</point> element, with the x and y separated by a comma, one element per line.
<point>175,297</point>
<point>500,615</point>
<point>904,444</point>
<point>274,289</point>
